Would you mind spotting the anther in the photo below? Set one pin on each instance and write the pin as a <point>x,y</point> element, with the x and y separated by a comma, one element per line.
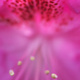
<point>47,72</point>
<point>32,58</point>
<point>54,76</point>
<point>11,72</point>
<point>19,63</point>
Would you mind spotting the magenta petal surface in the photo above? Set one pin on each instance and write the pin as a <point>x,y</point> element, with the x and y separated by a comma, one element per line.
<point>75,4</point>
<point>39,35</point>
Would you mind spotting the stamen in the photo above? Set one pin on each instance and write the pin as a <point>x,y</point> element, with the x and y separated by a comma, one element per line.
<point>11,72</point>
<point>22,69</point>
<point>29,71</point>
<point>19,63</point>
<point>38,66</point>
<point>49,50</point>
<point>32,58</point>
<point>45,60</point>
<point>54,76</point>
<point>47,72</point>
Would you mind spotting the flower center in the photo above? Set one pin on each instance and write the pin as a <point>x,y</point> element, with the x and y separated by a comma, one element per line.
<point>26,9</point>
<point>40,16</point>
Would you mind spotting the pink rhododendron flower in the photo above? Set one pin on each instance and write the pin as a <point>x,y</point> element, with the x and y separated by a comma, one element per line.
<point>39,40</point>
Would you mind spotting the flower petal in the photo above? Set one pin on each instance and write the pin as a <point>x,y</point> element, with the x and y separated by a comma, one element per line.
<point>68,53</point>
<point>75,4</point>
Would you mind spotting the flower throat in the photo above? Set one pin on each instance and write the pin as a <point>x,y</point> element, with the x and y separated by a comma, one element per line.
<point>26,9</point>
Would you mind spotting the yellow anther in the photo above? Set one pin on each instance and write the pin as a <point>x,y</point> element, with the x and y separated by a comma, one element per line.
<point>19,63</point>
<point>54,76</point>
<point>47,72</point>
<point>32,58</point>
<point>11,72</point>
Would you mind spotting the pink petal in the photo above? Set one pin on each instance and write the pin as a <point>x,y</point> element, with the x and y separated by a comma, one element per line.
<point>59,52</point>
<point>75,4</point>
